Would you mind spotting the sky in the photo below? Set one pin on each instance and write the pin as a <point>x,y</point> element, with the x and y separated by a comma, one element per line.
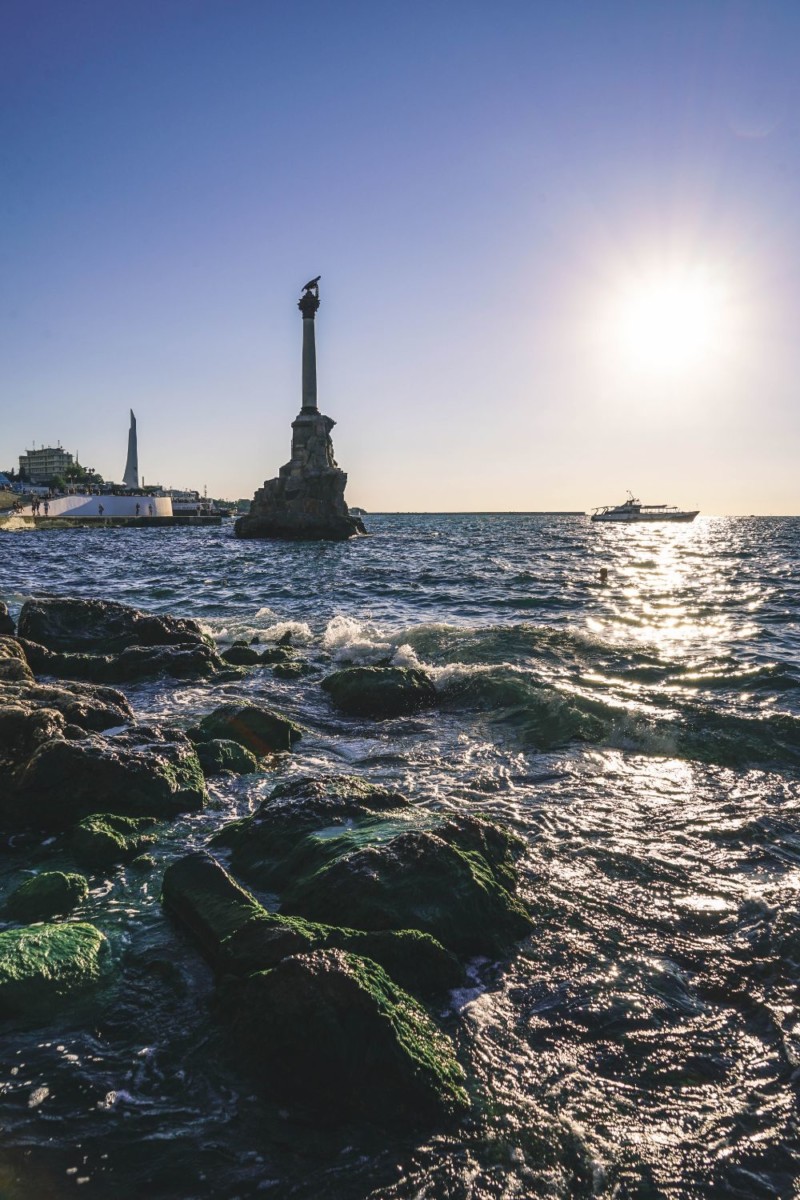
<point>559,244</point>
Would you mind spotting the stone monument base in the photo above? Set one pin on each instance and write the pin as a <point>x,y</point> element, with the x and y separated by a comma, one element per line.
<point>306,501</point>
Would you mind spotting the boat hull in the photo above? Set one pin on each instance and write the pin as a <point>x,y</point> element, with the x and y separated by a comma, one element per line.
<point>638,518</point>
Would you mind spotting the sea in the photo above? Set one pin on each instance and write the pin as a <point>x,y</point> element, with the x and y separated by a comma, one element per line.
<point>642,737</point>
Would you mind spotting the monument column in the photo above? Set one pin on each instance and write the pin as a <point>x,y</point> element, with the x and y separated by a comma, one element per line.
<point>308,305</point>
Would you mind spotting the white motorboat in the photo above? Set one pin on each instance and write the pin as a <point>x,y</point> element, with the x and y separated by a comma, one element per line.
<point>634,510</point>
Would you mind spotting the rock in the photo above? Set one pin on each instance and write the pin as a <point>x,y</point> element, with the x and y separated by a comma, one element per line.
<point>415,880</point>
<point>254,726</point>
<point>380,691</point>
<point>221,754</point>
<point>23,728</point>
<point>346,853</point>
<point>91,708</point>
<point>277,654</point>
<point>306,501</point>
<point>46,895</point>
<point>282,836</point>
<point>332,1031</point>
<point>13,663</point>
<point>103,839</point>
<point>100,626</point>
<point>6,623</point>
<point>134,662</point>
<point>44,966</point>
<point>141,773</point>
<point>241,655</point>
<point>238,936</point>
<point>143,863</point>
<point>295,670</point>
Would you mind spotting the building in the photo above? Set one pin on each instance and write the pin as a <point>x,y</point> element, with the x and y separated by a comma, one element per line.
<point>40,466</point>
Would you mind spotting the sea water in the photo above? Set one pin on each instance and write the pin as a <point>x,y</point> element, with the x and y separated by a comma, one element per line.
<point>642,736</point>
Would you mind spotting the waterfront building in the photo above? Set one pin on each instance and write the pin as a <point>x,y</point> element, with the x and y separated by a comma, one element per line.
<point>40,466</point>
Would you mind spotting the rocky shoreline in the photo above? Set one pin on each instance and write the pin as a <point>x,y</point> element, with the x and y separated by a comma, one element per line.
<point>335,917</point>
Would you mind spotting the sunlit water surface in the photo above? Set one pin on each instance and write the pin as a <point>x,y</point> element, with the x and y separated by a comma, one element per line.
<point>642,737</point>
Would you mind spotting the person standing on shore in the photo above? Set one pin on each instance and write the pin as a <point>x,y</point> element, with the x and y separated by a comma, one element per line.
<point>47,508</point>
<point>100,510</point>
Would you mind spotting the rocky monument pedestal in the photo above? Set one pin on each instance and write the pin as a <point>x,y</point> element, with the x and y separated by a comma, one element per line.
<point>306,501</point>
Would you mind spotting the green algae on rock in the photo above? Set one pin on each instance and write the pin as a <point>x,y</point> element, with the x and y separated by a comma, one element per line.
<point>414,880</point>
<point>254,726</point>
<point>46,895</point>
<point>296,827</point>
<point>345,853</point>
<point>380,692</point>
<point>223,754</point>
<point>44,966</point>
<point>239,936</point>
<point>103,839</point>
<point>332,1031</point>
<point>142,773</point>
<point>241,655</point>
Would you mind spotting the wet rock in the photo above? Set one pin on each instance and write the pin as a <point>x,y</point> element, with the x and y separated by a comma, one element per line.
<point>415,880</point>
<point>241,655</point>
<point>14,666</point>
<point>44,966</point>
<point>91,708</point>
<point>277,654</point>
<point>135,662</point>
<point>23,728</point>
<point>253,726</point>
<point>380,692</point>
<point>239,936</point>
<point>103,839</point>
<point>221,754</point>
<point>100,626</point>
<point>293,670</point>
<point>333,1031</point>
<point>6,623</point>
<point>141,773</point>
<point>292,830</point>
<point>347,853</point>
<point>46,895</point>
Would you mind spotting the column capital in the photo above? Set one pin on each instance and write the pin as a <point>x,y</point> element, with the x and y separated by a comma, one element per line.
<point>309,301</point>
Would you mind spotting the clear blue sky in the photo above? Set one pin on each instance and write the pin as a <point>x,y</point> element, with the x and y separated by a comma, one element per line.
<point>559,244</point>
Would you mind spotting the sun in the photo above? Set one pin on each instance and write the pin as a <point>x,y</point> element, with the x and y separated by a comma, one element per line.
<point>668,321</point>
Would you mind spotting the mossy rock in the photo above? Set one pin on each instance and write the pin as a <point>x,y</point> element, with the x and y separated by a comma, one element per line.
<point>333,1032</point>
<point>294,829</point>
<point>276,654</point>
<point>253,726</point>
<point>222,754</point>
<point>103,839</point>
<point>139,773</point>
<point>44,966</point>
<point>239,936</point>
<point>293,670</point>
<point>380,692</point>
<point>346,853</point>
<point>241,655</point>
<point>46,895</point>
<point>414,880</point>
